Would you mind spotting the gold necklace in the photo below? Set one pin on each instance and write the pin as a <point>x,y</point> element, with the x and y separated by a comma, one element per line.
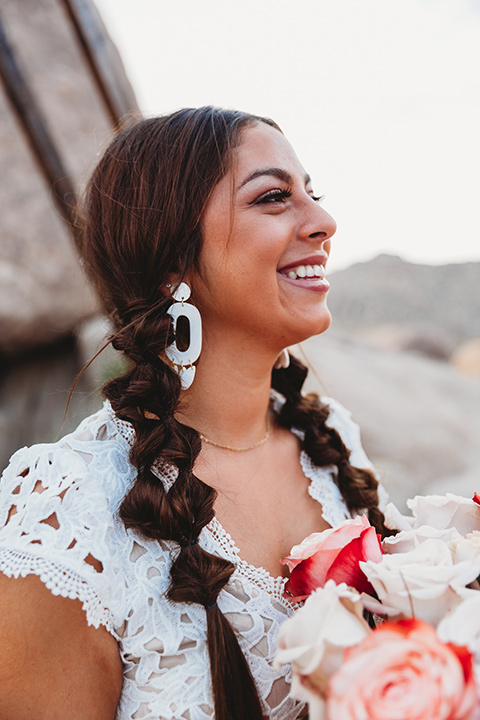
<point>236,449</point>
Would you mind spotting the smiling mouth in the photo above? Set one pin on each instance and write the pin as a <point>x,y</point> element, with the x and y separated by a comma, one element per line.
<point>304,272</point>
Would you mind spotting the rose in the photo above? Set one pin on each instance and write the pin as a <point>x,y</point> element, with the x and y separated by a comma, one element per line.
<point>407,540</point>
<point>333,554</point>
<point>462,625</point>
<point>466,548</point>
<point>438,511</point>
<point>315,638</point>
<point>424,582</point>
<point>402,670</point>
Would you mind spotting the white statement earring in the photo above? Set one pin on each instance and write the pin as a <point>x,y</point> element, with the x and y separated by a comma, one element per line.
<point>283,360</point>
<point>183,360</point>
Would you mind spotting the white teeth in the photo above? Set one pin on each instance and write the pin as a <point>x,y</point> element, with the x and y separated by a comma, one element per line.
<point>306,271</point>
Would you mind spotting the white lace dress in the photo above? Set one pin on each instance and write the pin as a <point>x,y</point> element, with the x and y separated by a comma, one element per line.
<point>58,520</point>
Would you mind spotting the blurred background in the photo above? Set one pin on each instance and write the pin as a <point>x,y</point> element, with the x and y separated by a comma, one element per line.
<point>381,100</point>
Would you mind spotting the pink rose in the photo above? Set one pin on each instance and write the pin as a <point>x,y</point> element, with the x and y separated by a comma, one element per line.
<point>402,670</point>
<point>333,554</point>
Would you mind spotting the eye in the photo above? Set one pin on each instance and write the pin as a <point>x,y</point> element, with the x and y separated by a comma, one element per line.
<point>272,197</point>
<point>318,198</point>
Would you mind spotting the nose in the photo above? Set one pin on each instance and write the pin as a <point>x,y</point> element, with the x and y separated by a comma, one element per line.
<point>317,223</point>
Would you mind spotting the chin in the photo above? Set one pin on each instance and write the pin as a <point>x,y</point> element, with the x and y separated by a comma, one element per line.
<point>313,327</point>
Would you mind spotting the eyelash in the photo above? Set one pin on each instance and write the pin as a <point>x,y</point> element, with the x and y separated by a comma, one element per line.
<point>275,196</point>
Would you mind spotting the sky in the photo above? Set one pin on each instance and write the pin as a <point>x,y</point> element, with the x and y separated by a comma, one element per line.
<point>380,99</point>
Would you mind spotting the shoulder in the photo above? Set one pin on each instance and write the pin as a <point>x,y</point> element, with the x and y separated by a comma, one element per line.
<point>58,515</point>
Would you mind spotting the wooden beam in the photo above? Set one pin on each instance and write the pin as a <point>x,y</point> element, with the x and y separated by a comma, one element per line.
<point>36,129</point>
<point>92,37</point>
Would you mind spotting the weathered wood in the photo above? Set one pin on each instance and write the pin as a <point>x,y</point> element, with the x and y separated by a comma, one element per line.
<point>97,52</point>
<point>35,127</point>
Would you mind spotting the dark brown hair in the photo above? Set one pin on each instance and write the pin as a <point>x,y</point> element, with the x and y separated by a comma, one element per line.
<point>142,218</point>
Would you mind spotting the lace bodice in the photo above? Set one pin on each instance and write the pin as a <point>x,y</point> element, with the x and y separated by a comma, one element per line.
<point>58,520</point>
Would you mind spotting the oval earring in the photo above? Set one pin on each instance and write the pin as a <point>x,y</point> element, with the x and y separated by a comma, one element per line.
<point>183,360</point>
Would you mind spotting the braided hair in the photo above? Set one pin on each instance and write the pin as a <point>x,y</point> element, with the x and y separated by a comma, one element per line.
<point>142,224</point>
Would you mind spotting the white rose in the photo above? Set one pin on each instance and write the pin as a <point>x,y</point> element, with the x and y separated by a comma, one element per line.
<point>407,540</point>
<point>438,511</point>
<point>446,511</point>
<point>423,583</point>
<point>467,548</point>
<point>395,520</point>
<point>314,639</point>
<point>461,626</point>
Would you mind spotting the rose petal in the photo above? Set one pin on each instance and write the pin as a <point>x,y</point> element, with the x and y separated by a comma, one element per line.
<point>332,539</point>
<point>402,670</point>
<point>346,566</point>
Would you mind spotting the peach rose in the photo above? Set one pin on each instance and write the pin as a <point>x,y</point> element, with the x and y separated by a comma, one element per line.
<point>402,670</point>
<point>333,554</point>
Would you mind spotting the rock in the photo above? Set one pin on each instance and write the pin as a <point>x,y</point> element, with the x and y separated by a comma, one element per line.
<point>398,338</point>
<point>466,358</point>
<point>420,419</point>
<point>431,309</point>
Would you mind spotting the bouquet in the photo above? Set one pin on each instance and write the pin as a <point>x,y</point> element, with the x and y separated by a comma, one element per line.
<point>389,630</point>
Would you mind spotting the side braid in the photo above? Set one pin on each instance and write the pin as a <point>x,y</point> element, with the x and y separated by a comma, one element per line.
<point>324,444</point>
<point>142,226</point>
<point>181,513</point>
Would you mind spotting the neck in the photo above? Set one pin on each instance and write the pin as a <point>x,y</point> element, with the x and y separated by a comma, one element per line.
<point>229,398</point>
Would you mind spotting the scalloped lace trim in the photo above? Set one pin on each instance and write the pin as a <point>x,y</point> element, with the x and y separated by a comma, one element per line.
<point>59,580</point>
<point>321,488</point>
<point>255,574</point>
<point>324,489</point>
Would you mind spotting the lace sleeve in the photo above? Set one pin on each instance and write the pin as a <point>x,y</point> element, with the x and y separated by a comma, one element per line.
<point>56,523</point>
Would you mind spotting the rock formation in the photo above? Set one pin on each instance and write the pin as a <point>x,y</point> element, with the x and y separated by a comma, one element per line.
<point>397,304</point>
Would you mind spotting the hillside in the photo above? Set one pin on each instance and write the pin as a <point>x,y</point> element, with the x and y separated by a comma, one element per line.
<point>402,304</point>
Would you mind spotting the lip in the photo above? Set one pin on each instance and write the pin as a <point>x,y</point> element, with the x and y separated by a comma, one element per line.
<point>320,259</point>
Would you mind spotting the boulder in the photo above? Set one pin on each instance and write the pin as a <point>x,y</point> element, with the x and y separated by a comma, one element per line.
<point>466,358</point>
<point>419,418</point>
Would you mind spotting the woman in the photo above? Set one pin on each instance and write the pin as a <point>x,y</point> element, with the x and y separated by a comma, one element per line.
<point>141,554</point>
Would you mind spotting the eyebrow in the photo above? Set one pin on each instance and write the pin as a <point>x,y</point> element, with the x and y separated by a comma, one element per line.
<point>273,172</point>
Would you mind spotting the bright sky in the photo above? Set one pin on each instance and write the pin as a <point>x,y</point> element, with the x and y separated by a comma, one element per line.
<point>380,98</point>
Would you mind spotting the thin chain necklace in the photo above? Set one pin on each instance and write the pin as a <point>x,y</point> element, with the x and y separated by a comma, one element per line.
<point>237,449</point>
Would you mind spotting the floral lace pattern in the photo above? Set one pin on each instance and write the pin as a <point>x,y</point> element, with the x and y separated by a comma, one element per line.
<point>58,520</point>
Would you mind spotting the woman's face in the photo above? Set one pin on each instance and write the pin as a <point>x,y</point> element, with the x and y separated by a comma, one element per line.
<point>261,268</point>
